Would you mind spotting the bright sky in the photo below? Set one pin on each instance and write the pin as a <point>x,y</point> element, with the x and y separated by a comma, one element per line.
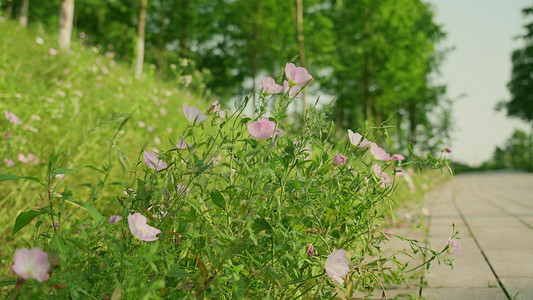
<point>482,32</point>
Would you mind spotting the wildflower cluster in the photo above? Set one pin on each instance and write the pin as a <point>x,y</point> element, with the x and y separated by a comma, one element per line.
<point>235,207</point>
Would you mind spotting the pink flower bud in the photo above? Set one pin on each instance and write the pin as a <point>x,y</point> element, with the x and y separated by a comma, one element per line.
<point>339,159</point>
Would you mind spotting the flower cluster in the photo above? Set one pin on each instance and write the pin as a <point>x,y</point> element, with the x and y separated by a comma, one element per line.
<point>296,76</point>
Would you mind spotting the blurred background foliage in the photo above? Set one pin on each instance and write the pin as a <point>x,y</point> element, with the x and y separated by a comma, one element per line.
<point>376,59</point>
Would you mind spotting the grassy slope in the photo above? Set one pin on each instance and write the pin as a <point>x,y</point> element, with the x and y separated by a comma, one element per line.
<point>73,103</point>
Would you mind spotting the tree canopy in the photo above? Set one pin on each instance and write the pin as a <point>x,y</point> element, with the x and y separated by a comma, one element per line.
<point>376,58</point>
<point>521,84</point>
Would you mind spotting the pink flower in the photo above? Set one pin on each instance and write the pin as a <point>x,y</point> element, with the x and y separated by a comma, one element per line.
<point>140,229</point>
<point>310,250</point>
<point>378,152</point>
<point>387,233</point>
<point>297,75</point>
<point>216,109</point>
<point>39,40</point>
<point>425,211</point>
<point>114,219</point>
<point>153,162</point>
<point>193,114</point>
<point>453,245</point>
<point>32,264</point>
<point>338,159</point>
<point>447,150</point>
<point>384,177</point>
<point>10,163</point>
<point>52,51</point>
<point>398,157</point>
<point>11,117</point>
<point>337,266</point>
<point>182,145</point>
<point>355,139</point>
<point>23,158</point>
<point>6,135</point>
<point>182,190</point>
<point>270,85</point>
<point>261,129</point>
<point>291,90</point>
<point>32,158</point>
<point>279,132</point>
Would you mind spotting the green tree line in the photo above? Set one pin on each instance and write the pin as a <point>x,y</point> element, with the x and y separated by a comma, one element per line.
<point>376,58</point>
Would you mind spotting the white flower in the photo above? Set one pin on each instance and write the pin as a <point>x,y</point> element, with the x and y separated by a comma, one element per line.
<point>140,229</point>
<point>337,266</point>
<point>355,139</point>
<point>193,114</point>
<point>153,162</point>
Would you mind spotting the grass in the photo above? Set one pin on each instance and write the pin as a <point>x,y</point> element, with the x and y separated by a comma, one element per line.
<point>73,102</point>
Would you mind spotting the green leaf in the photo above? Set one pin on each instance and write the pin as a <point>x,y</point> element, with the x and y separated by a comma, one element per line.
<point>218,199</point>
<point>261,224</point>
<point>178,273</point>
<point>58,245</point>
<point>60,171</point>
<point>24,218</point>
<point>6,177</point>
<point>8,282</point>
<point>95,214</point>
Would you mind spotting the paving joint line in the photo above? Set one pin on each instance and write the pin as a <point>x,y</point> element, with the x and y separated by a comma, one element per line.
<point>481,250</point>
<point>484,198</point>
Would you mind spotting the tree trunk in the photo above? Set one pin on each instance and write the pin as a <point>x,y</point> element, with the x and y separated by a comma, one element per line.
<point>366,70</point>
<point>412,122</point>
<point>9,9</point>
<point>140,39</point>
<point>300,28</point>
<point>65,23</point>
<point>255,49</point>
<point>23,17</point>
<point>160,43</point>
<point>184,30</point>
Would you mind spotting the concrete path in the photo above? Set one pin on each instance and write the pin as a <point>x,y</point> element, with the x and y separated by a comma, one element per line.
<point>494,215</point>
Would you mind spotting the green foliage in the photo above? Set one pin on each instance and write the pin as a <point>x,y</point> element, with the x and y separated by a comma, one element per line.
<point>82,104</point>
<point>515,154</point>
<point>385,56</point>
<point>521,103</point>
<point>236,215</point>
<point>376,58</point>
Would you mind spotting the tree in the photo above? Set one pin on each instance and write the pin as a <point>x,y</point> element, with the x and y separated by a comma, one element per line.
<point>385,57</point>
<point>521,103</point>
<point>516,154</point>
<point>23,17</point>
<point>65,23</point>
<point>140,38</point>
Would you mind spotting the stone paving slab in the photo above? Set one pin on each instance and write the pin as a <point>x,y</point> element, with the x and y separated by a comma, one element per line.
<point>498,234</point>
<point>521,285</point>
<point>464,293</point>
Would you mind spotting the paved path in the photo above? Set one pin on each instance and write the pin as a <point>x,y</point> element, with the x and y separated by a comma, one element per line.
<point>494,214</point>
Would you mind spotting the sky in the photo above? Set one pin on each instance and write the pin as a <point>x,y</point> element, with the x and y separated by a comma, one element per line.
<point>483,33</point>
